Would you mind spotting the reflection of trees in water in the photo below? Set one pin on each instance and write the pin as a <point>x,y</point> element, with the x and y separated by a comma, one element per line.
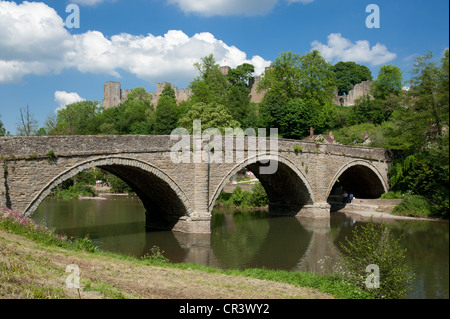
<point>237,237</point>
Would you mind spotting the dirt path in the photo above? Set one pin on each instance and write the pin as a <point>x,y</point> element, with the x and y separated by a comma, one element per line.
<point>31,270</point>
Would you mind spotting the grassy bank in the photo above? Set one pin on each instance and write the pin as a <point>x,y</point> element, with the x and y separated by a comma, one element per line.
<point>414,206</point>
<point>33,261</point>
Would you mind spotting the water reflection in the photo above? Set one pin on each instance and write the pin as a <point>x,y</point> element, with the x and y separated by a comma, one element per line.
<point>248,239</point>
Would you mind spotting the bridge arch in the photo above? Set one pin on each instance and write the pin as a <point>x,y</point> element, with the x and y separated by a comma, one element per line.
<point>288,189</point>
<point>163,199</point>
<point>361,178</point>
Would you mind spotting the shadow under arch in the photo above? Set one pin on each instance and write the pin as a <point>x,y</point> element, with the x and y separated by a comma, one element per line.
<point>360,178</point>
<point>288,189</point>
<point>163,199</point>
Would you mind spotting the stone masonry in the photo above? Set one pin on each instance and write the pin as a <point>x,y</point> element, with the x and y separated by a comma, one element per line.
<point>180,195</point>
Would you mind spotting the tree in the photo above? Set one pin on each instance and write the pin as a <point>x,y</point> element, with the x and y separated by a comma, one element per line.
<point>211,85</point>
<point>78,118</point>
<point>283,78</point>
<point>420,129</point>
<point>134,116</point>
<point>389,81</point>
<point>166,114</point>
<point>27,124</point>
<point>317,80</point>
<point>300,93</point>
<point>2,129</point>
<point>348,74</point>
<point>375,245</point>
<point>211,115</point>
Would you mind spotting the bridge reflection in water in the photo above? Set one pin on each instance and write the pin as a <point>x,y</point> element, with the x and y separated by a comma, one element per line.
<point>254,241</point>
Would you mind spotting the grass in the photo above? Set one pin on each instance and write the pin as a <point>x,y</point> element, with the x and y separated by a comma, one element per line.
<point>20,275</point>
<point>412,205</point>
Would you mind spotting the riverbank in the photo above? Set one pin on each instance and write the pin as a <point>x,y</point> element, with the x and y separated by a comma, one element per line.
<point>33,263</point>
<point>30,270</point>
<point>378,209</point>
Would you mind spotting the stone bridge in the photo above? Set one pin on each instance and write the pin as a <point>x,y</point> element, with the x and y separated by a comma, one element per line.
<point>178,186</point>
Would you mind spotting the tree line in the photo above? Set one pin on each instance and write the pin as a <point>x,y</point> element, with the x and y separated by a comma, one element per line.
<point>300,94</point>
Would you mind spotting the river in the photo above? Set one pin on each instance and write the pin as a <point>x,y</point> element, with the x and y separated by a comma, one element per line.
<point>248,240</point>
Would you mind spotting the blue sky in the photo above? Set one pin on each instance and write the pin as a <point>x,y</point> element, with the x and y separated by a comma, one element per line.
<point>45,64</point>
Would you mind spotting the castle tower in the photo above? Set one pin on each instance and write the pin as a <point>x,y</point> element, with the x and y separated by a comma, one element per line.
<point>112,94</point>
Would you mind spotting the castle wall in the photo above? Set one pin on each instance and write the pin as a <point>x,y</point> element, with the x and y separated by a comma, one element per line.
<point>359,90</point>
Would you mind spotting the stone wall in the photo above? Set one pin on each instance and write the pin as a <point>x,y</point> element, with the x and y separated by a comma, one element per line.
<point>359,90</point>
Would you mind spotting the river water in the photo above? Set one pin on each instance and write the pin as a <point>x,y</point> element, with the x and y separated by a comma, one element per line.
<point>248,239</point>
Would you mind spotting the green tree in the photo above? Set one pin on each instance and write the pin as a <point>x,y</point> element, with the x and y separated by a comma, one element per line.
<point>389,81</point>
<point>74,119</point>
<point>317,79</point>
<point>211,115</point>
<point>211,85</point>
<point>2,129</point>
<point>283,78</point>
<point>348,74</point>
<point>166,114</point>
<point>134,116</point>
<point>374,244</point>
<point>420,129</point>
<point>300,93</point>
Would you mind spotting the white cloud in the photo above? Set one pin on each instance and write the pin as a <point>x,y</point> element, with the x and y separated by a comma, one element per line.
<point>342,49</point>
<point>64,98</point>
<point>40,44</point>
<point>230,7</point>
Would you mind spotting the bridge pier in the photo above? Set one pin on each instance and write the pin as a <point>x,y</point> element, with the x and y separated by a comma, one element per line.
<point>316,210</point>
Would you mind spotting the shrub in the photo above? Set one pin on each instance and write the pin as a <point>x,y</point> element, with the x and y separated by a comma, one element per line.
<point>373,244</point>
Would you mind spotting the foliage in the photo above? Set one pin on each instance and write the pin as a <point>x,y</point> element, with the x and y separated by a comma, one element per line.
<point>73,191</point>
<point>14,222</point>
<point>301,89</point>
<point>118,185</point>
<point>348,74</point>
<point>211,115</point>
<point>156,256</point>
<point>416,206</point>
<point>374,244</point>
<point>167,113</point>
<point>369,110</point>
<point>244,199</point>
<point>2,129</point>
<point>389,81</point>
<point>74,119</point>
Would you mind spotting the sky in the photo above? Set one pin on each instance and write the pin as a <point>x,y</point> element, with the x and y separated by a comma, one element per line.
<point>57,52</point>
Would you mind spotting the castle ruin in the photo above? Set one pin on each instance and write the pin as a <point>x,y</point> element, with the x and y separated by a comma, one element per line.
<point>359,90</point>
<point>113,94</point>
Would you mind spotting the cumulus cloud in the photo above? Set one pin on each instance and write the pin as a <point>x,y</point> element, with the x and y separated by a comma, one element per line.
<point>64,98</point>
<point>342,49</point>
<point>230,7</point>
<point>32,40</point>
<point>40,44</point>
